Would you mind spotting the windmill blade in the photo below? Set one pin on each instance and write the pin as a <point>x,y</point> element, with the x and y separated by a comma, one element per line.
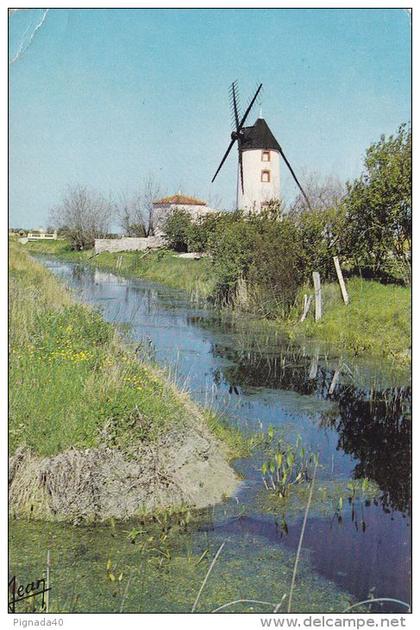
<point>235,106</point>
<point>232,142</point>
<point>236,136</point>
<point>295,178</point>
<point>248,109</point>
<point>241,167</point>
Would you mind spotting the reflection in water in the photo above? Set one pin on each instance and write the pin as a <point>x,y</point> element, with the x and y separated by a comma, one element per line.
<point>358,421</point>
<point>373,426</point>
<point>385,560</point>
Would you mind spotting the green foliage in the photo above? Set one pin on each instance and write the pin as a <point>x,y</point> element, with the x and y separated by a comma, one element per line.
<point>256,262</point>
<point>185,234</point>
<point>378,208</point>
<point>259,261</point>
<point>287,464</point>
<point>201,231</point>
<point>177,229</point>
<point>318,240</point>
<point>276,272</point>
<point>231,248</point>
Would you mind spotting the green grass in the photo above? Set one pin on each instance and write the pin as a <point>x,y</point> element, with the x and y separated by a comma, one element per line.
<point>376,321</point>
<point>70,374</point>
<point>194,276</point>
<point>237,443</point>
<point>58,247</point>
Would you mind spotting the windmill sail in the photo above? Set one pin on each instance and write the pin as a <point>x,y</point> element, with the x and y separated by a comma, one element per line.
<point>295,178</point>
<point>237,134</point>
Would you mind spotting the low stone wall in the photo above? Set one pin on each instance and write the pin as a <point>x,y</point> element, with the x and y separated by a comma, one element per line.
<point>127,244</point>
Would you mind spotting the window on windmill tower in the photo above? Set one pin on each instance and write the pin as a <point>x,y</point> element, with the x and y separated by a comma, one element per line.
<point>265,156</point>
<point>265,176</point>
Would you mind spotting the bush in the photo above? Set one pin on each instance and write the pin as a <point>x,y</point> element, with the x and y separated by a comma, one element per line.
<point>231,246</point>
<point>318,240</point>
<point>256,262</point>
<point>201,231</point>
<point>185,234</point>
<point>177,230</point>
<point>276,272</point>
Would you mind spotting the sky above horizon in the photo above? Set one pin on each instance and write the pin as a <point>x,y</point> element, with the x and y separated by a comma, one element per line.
<point>108,97</point>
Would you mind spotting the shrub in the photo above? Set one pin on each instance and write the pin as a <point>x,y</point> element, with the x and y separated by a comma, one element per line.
<point>276,271</point>
<point>256,262</point>
<point>177,230</point>
<point>318,240</point>
<point>231,246</point>
<point>201,231</point>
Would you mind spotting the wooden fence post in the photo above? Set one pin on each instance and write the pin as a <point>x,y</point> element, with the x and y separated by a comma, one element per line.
<point>341,280</point>
<point>318,299</point>
<point>306,305</point>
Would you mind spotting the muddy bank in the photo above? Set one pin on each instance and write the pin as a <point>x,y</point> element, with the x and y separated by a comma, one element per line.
<point>188,467</point>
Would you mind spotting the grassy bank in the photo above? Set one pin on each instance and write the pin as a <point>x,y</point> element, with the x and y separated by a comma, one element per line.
<point>376,322</point>
<point>69,372</point>
<point>193,276</point>
<point>75,385</point>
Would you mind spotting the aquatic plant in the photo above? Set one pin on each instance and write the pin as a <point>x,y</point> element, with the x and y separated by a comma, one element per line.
<point>287,465</point>
<point>358,494</point>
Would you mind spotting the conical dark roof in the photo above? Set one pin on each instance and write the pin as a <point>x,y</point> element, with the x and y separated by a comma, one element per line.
<point>259,136</point>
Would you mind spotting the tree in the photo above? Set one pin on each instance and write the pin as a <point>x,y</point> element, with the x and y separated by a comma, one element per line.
<point>378,208</point>
<point>323,193</point>
<point>136,211</point>
<point>129,211</point>
<point>82,216</point>
<point>151,192</point>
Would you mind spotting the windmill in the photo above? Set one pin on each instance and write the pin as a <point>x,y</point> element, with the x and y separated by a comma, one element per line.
<point>258,157</point>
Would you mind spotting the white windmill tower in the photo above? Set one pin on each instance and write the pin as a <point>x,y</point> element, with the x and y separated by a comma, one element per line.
<point>260,153</point>
<point>258,159</point>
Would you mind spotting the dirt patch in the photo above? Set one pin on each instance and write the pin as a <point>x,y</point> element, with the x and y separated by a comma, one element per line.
<point>187,467</point>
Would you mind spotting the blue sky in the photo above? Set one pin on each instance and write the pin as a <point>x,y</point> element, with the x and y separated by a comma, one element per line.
<point>108,97</point>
